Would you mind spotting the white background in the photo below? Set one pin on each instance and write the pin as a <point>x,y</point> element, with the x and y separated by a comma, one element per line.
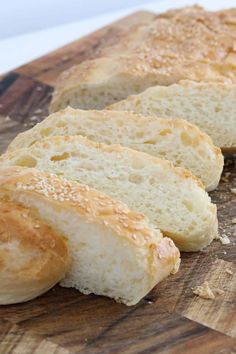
<point>31,28</point>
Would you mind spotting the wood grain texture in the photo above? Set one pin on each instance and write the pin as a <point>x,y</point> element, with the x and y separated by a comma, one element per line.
<point>171,319</point>
<point>47,68</point>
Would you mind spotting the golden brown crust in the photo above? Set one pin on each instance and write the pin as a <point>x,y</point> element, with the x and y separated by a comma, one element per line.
<point>33,257</point>
<point>188,44</point>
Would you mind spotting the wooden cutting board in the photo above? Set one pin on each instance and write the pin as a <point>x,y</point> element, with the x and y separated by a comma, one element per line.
<point>171,319</point>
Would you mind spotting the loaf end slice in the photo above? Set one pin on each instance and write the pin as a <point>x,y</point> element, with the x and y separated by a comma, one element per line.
<point>33,256</point>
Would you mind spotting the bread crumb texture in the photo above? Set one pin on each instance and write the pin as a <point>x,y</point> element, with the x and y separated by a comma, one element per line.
<point>204,291</point>
<point>224,239</point>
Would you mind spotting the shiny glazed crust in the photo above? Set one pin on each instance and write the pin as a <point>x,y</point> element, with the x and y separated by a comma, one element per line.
<point>33,257</point>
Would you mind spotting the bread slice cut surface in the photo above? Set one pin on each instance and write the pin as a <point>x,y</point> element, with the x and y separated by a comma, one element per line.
<point>211,106</point>
<point>174,139</point>
<point>172,198</point>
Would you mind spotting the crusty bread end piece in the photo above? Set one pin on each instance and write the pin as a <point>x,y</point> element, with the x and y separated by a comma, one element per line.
<point>33,256</point>
<point>113,251</point>
<point>172,198</point>
<point>211,106</point>
<point>174,139</point>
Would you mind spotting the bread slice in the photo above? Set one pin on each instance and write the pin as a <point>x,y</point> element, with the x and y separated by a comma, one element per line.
<point>113,251</point>
<point>98,83</point>
<point>172,198</point>
<point>28,249</point>
<point>194,44</point>
<point>174,139</point>
<point>211,106</point>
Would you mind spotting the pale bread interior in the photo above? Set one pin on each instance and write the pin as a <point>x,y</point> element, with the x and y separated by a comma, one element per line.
<point>211,106</point>
<point>174,139</point>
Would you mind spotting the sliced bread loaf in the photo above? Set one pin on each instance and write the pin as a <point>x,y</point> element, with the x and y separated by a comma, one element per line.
<point>113,251</point>
<point>174,139</point>
<point>172,198</point>
<point>211,106</point>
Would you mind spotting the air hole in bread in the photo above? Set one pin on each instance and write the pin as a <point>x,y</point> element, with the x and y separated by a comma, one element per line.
<point>139,134</point>
<point>26,161</point>
<point>162,153</point>
<point>61,124</point>
<point>186,139</point>
<point>61,157</point>
<point>137,179</point>
<point>150,142</point>
<point>165,132</point>
<point>218,108</point>
<point>138,164</point>
<point>45,132</point>
<point>88,166</point>
<point>152,180</point>
<point>188,205</point>
<point>120,123</point>
<point>91,137</point>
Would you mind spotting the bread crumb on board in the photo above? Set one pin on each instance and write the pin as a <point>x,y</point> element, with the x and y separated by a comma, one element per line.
<point>219,291</point>
<point>233,221</point>
<point>229,271</point>
<point>225,177</point>
<point>233,190</point>
<point>205,292</point>
<point>224,239</point>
